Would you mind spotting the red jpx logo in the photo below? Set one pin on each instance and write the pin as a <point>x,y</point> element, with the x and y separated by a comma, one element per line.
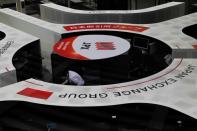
<point>105,46</point>
<point>40,94</point>
<point>194,46</point>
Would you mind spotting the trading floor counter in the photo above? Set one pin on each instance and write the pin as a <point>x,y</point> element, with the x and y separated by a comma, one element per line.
<point>156,62</point>
<point>11,42</point>
<point>59,14</point>
<point>174,87</point>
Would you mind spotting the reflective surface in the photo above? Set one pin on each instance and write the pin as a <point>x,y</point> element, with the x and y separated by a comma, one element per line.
<point>20,116</point>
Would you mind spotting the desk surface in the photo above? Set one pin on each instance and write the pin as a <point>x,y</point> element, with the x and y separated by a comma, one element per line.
<point>13,41</point>
<point>66,9</point>
<point>167,87</point>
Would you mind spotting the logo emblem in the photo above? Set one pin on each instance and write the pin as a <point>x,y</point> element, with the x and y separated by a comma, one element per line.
<point>91,47</point>
<point>105,46</point>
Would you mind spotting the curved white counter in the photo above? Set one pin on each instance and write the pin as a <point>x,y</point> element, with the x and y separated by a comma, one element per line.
<point>63,15</point>
<point>13,41</point>
<point>174,87</point>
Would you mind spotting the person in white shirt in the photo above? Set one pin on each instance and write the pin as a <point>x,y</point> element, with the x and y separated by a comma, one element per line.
<point>73,78</point>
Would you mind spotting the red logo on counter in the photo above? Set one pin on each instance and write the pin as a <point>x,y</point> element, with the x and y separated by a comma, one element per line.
<point>40,94</point>
<point>194,46</point>
<point>106,26</point>
<point>105,46</point>
<point>65,49</point>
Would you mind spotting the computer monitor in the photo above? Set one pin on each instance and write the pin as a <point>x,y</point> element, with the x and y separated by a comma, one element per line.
<point>141,43</point>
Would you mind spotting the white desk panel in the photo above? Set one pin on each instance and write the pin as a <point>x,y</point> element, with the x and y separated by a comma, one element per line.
<point>13,41</point>
<point>59,14</point>
<point>168,88</point>
<point>174,87</point>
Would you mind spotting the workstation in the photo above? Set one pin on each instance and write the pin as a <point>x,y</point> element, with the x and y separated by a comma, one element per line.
<point>16,55</point>
<point>115,76</point>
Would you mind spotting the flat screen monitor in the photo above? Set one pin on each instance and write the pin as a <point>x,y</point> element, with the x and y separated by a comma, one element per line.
<point>140,42</point>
